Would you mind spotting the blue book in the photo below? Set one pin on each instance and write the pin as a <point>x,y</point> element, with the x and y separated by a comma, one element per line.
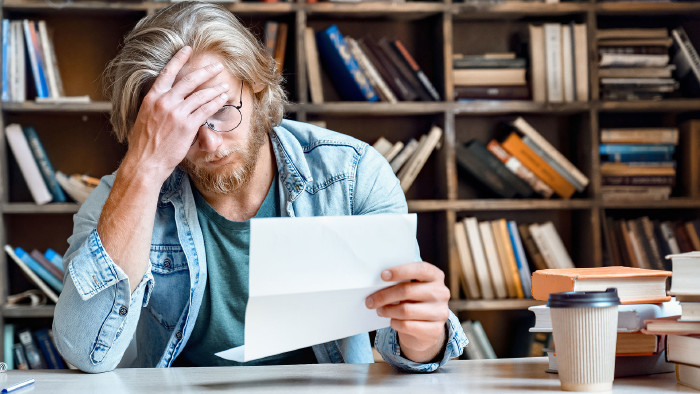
<point>51,355</point>
<point>7,343</point>
<point>5,60</point>
<point>348,78</point>
<point>31,38</point>
<point>55,258</point>
<point>638,157</point>
<point>520,258</point>
<point>610,149</point>
<point>44,274</point>
<point>42,159</point>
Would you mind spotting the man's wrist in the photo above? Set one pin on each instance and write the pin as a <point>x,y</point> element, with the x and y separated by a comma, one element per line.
<point>436,356</point>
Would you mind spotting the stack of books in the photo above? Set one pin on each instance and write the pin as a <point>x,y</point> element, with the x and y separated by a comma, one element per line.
<point>494,256</point>
<point>638,163</point>
<point>523,165</point>
<point>407,160</point>
<point>365,69</point>
<point>559,62</point>
<point>492,76</point>
<point>45,270</point>
<point>634,64</point>
<point>682,331</point>
<point>643,296</point>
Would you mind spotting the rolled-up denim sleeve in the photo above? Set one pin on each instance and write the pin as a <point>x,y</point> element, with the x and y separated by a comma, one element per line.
<point>387,344</point>
<point>96,314</point>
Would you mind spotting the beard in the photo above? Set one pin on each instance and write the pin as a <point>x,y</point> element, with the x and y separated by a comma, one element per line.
<point>232,176</point>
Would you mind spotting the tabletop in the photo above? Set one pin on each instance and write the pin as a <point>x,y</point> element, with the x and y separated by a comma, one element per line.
<point>524,375</point>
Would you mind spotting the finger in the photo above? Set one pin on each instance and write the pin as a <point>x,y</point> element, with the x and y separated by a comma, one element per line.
<point>409,291</point>
<point>201,97</point>
<point>415,328</point>
<point>422,311</point>
<point>200,115</point>
<point>191,81</point>
<point>167,75</point>
<point>421,271</point>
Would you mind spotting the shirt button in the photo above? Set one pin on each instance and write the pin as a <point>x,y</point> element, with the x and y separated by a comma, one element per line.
<point>178,335</point>
<point>123,310</point>
<point>167,263</point>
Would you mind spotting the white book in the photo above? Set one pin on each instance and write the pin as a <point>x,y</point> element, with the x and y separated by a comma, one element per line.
<point>567,62</point>
<point>538,64</point>
<point>313,66</point>
<point>482,269</point>
<point>395,149</point>
<point>543,246</point>
<point>31,275</point>
<point>556,156</point>
<point>382,145</point>
<point>494,263</point>
<point>19,73</point>
<point>410,171</point>
<point>473,351</point>
<point>27,164</point>
<point>552,48</point>
<point>483,340</point>
<point>556,245</point>
<point>466,261</point>
<point>581,60</point>
<point>49,58</point>
<point>405,154</point>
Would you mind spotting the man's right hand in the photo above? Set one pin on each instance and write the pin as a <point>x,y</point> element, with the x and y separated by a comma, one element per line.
<point>170,116</point>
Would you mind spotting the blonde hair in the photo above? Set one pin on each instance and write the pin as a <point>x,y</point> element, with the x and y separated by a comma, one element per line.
<point>205,27</point>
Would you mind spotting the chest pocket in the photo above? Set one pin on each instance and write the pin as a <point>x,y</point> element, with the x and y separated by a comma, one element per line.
<point>171,284</point>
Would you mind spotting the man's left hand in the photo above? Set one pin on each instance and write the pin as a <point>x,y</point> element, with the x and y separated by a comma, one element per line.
<point>417,307</point>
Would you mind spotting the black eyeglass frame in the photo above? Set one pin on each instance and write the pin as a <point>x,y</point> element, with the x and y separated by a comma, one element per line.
<point>237,107</point>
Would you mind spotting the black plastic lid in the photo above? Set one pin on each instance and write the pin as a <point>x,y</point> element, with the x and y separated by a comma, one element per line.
<point>584,299</point>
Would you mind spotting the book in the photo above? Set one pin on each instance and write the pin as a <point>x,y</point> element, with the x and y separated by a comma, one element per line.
<point>54,258</point>
<point>20,358</point>
<point>74,186</point>
<point>343,69</point>
<point>488,61</point>
<point>466,262</point>
<point>640,135</point>
<point>38,269</point>
<point>690,311</point>
<point>482,271</point>
<point>538,63</point>
<point>410,170</point>
<point>6,61</point>
<point>27,164</point>
<point>281,46</point>
<point>558,168</point>
<point>550,245</point>
<point>34,357</point>
<point>686,271</point>
<point>53,73</point>
<point>531,247</point>
<point>416,69</point>
<point>637,72</point>
<point>491,92</point>
<point>44,163</point>
<point>553,57</point>
<point>387,70</point>
<point>495,269</point>
<point>517,168</point>
<point>8,341</point>
<point>34,51</point>
<point>270,36</point>
<point>48,350</point>
<point>634,285</point>
<point>687,61</point>
<point>671,325</point>
<point>689,170</point>
<point>49,266</point>
<point>313,66</point>
<point>18,73</point>
<point>31,275</point>
<point>472,350</point>
<point>688,375</point>
<point>683,349</point>
<point>580,42</point>
<point>483,340</point>
<point>630,318</point>
<point>567,63</point>
<point>506,256</point>
<point>382,145</point>
<point>526,129</point>
<point>475,158</point>
<point>395,149</point>
<point>489,76</point>
<point>520,259</point>
<point>404,71</point>
<point>379,85</point>
<point>405,154</point>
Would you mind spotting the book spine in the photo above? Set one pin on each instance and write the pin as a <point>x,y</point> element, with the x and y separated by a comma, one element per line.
<point>31,275</point>
<point>558,168</point>
<point>611,149</point>
<point>477,168</point>
<point>538,62</point>
<point>638,180</point>
<point>20,358</point>
<point>49,59</point>
<point>42,160</point>
<point>271,28</point>
<point>8,341</point>
<point>35,56</point>
<point>515,166</point>
<point>34,357</point>
<point>27,164</point>
<point>39,258</point>
<point>404,155</point>
<point>5,60</point>
<point>342,67</point>
<point>417,71</point>
<point>688,50</point>
<point>55,258</point>
<point>53,359</point>
<point>520,258</point>
<point>555,89</point>
<point>368,68</point>
<point>410,171</point>
<point>531,247</point>
<point>497,166</point>
<point>38,269</point>
<point>387,48</point>
<point>494,264</point>
<point>477,248</point>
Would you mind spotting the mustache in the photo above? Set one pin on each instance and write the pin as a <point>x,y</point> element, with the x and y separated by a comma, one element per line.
<point>220,154</point>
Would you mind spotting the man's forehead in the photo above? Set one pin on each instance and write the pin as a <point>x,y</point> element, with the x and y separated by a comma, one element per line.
<point>200,60</point>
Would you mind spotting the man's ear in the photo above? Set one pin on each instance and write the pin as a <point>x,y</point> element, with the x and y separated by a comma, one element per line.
<point>258,87</point>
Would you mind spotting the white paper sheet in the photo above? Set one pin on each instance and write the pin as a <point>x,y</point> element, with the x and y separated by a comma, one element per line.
<point>309,278</point>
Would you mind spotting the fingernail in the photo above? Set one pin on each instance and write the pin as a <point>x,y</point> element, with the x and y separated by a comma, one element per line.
<point>370,302</point>
<point>386,275</point>
<point>224,96</point>
<point>216,66</point>
<point>224,86</point>
<point>185,49</point>
<point>380,312</point>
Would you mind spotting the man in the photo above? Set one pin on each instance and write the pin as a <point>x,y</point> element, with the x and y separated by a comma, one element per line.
<point>158,261</point>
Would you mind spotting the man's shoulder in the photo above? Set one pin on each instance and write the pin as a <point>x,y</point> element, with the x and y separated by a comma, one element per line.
<point>310,137</point>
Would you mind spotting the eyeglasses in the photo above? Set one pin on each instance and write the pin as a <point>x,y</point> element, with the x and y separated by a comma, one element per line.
<point>228,118</point>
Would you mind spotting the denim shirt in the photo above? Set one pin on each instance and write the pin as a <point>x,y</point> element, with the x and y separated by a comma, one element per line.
<point>100,325</point>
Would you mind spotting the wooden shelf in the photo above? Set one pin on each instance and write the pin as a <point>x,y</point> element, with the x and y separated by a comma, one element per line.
<point>31,208</point>
<point>521,106</point>
<point>515,10</point>
<point>101,6</point>
<point>497,205</point>
<point>673,203</point>
<point>644,8</point>
<point>493,305</point>
<point>381,108</point>
<point>31,106</point>
<point>391,10</point>
<point>12,311</point>
<point>668,105</point>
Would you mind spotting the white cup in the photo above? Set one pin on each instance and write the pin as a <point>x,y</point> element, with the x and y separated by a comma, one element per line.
<point>585,334</point>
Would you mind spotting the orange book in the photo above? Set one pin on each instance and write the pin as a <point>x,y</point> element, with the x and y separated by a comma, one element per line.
<point>517,148</point>
<point>634,285</point>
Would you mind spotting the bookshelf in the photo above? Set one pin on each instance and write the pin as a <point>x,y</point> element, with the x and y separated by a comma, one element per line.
<point>76,136</point>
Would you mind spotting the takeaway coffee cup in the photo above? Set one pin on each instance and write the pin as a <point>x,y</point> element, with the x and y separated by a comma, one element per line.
<point>585,335</point>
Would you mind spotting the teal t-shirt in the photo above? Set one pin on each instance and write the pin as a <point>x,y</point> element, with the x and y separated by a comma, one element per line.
<point>221,319</point>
